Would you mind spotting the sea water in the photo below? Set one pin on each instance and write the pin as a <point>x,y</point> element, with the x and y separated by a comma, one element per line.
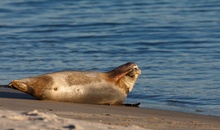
<point>175,43</point>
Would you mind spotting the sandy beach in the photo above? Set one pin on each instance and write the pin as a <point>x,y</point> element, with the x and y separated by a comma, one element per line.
<point>34,114</point>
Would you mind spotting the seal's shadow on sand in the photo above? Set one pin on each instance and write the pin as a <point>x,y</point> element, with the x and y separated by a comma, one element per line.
<point>11,93</point>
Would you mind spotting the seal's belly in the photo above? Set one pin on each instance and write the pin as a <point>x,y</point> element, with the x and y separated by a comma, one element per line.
<point>102,93</point>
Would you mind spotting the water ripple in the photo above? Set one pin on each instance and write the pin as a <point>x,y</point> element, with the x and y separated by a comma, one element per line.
<point>175,43</point>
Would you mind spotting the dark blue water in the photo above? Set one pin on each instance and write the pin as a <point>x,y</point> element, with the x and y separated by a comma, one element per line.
<point>175,43</point>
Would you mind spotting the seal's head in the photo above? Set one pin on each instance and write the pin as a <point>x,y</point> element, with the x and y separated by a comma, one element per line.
<point>126,75</point>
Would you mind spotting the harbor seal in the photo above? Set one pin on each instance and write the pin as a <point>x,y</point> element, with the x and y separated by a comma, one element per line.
<point>82,87</point>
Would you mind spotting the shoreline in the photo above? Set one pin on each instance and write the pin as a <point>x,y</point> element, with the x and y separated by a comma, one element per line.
<point>14,100</point>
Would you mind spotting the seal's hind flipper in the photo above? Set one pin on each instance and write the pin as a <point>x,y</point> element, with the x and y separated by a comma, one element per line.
<point>18,85</point>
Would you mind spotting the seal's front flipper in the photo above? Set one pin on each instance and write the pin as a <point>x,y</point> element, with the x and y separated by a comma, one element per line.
<point>132,105</point>
<point>18,85</point>
<point>122,70</point>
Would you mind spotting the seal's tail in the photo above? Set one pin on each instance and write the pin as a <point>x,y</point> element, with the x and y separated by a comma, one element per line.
<point>18,85</point>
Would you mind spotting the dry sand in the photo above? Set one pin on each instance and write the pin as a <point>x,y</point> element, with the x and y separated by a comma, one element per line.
<point>35,120</point>
<point>21,111</point>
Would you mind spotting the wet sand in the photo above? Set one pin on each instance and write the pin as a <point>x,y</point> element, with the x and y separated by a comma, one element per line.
<point>103,116</point>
